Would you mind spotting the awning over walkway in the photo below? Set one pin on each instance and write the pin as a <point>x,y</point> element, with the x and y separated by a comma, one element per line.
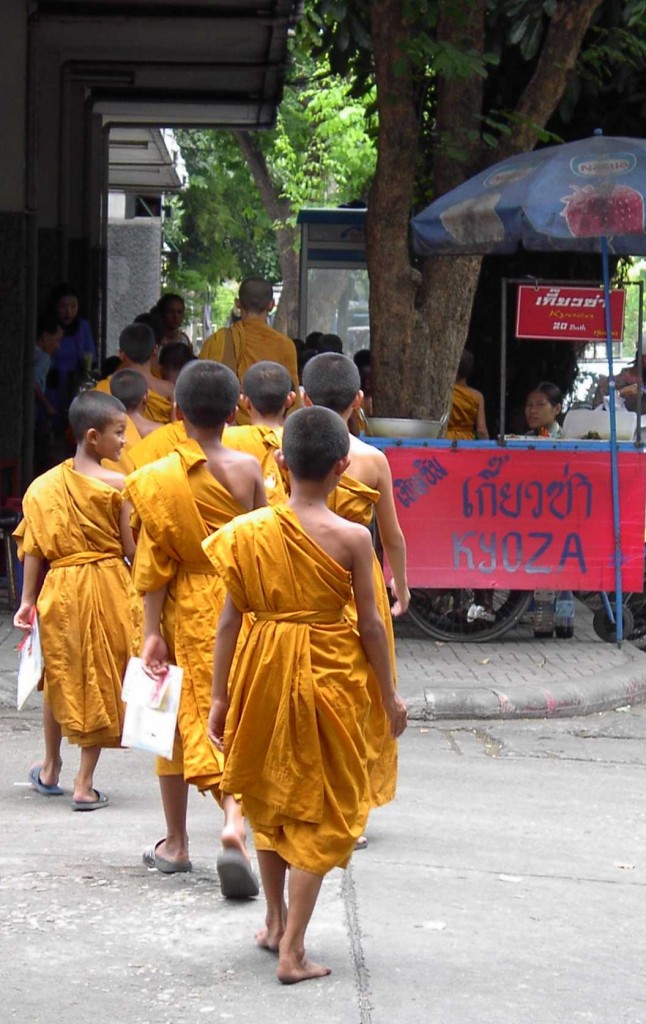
<point>139,161</point>
<point>172,63</point>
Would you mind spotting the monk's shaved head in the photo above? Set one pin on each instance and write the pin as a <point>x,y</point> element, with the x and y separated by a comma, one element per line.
<point>256,295</point>
<point>137,342</point>
<point>314,439</point>
<point>207,393</point>
<point>93,410</point>
<point>331,380</point>
<point>129,386</point>
<point>267,385</point>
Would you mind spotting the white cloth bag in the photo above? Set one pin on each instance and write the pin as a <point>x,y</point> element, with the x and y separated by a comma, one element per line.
<point>30,665</point>
<point>151,709</point>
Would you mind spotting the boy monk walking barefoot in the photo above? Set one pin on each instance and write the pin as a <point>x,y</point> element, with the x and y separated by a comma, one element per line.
<point>292,719</point>
<point>332,380</point>
<point>179,501</point>
<point>90,619</point>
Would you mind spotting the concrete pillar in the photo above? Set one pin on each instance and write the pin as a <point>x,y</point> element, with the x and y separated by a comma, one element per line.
<point>16,284</point>
<point>134,283</point>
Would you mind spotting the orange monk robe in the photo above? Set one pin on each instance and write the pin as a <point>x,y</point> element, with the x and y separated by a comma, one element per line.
<point>178,504</point>
<point>159,443</point>
<point>355,501</point>
<point>294,737</point>
<point>89,614</point>
<point>464,414</point>
<point>262,442</point>
<point>158,408</point>
<point>125,464</point>
<point>253,341</point>
<point>104,385</point>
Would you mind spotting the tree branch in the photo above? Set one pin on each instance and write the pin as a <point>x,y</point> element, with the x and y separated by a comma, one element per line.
<point>545,89</point>
<point>459,98</point>
<point>278,209</point>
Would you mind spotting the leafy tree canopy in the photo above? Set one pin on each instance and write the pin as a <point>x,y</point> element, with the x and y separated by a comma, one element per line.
<point>322,152</point>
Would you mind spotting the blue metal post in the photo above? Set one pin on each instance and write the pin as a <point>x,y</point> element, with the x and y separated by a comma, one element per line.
<point>614,465</point>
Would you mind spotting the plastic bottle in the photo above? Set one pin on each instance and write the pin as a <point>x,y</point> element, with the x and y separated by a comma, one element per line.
<point>544,613</point>
<point>564,614</point>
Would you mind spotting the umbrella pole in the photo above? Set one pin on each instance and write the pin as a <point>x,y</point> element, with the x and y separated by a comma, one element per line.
<point>614,464</point>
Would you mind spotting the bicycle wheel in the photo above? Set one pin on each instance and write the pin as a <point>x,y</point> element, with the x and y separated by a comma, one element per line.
<point>453,614</point>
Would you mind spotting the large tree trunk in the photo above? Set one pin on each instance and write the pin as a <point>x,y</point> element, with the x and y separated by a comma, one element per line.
<point>449,283</point>
<point>286,316</point>
<point>399,362</point>
<point>418,332</point>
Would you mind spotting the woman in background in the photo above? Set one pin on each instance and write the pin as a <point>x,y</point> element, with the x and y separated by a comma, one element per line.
<point>542,405</point>
<point>72,362</point>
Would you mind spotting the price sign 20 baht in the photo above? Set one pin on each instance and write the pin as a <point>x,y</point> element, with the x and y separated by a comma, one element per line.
<point>566,313</point>
<point>518,519</point>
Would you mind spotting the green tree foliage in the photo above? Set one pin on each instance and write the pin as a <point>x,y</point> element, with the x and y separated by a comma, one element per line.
<point>244,192</point>
<point>225,231</point>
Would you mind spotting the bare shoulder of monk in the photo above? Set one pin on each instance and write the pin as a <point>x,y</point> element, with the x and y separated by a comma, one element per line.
<point>365,462</point>
<point>239,472</point>
<point>107,476</point>
<point>341,538</point>
<point>162,387</point>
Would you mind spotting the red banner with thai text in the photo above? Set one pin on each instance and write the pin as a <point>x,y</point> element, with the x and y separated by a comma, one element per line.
<point>558,313</point>
<point>518,519</point>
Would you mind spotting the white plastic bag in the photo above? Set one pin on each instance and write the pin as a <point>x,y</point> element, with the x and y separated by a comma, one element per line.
<point>580,422</point>
<point>151,709</point>
<point>30,665</point>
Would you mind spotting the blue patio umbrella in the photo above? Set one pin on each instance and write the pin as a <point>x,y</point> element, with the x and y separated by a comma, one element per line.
<point>586,196</point>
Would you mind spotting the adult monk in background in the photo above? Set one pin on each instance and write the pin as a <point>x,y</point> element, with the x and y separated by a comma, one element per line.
<point>136,346</point>
<point>251,339</point>
<point>467,420</point>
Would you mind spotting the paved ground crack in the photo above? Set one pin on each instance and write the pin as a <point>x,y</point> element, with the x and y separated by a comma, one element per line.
<point>492,747</point>
<point>361,972</point>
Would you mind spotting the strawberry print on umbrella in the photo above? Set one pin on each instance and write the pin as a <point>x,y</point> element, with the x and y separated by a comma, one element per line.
<point>591,212</point>
<point>561,197</point>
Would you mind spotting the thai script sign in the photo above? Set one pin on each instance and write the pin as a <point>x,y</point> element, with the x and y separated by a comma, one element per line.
<point>518,519</point>
<point>568,314</point>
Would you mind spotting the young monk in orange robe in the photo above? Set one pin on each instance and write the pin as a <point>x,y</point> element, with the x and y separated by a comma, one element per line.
<point>332,380</point>
<point>267,394</point>
<point>136,347</point>
<point>178,502</point>
<point>292,718</point>
<point>76,519</point>
<point>130,387</point>
<point>251,339</point>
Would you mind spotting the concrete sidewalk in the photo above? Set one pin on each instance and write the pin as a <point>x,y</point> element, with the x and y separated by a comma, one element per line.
<point>516,677</point>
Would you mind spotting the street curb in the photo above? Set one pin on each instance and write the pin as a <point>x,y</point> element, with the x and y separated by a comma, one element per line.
<point>586,696</point>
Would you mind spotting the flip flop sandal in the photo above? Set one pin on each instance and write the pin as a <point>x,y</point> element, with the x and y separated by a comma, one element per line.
<point>361,843</point>
<point>40,787</point>
<point>91,805</point>
<point>237,880</point>
<point>152,859</point>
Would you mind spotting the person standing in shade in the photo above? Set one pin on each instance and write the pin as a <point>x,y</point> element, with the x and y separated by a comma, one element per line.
<point>467,421</point>
<point>171,310</point>
<point>71,363</point>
